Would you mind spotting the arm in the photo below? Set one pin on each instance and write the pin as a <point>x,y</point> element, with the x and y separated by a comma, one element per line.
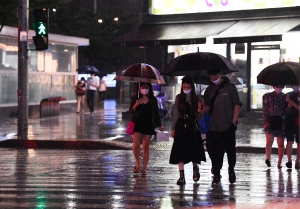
<point>236,111</point>
<point>156,114</point>
<point>134,102</point>
<point>175,117</point>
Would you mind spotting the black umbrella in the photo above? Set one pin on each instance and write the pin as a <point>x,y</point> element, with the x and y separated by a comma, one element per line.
<point>87,69</point>
<point>280,74</point>
<point>191,64</point>
<point>205,80</point>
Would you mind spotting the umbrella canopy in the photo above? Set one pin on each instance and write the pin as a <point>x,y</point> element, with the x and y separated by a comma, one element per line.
<point>140,72</point>
<point>280,74</point>
<point>87,69</point>
<point>205,80</point>
<point>191,64</point>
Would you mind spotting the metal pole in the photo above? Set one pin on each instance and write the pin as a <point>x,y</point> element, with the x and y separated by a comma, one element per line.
<point>22,69</point>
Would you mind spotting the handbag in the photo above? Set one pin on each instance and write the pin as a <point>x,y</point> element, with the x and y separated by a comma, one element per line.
<point>203,123</point>
<point>130,125</point>
<point>130,128</point>
<point>79,91</point>
<point>275,122</point>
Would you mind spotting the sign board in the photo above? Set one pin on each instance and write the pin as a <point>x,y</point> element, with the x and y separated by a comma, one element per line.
<point>162,7</point>
<point>23,36</point>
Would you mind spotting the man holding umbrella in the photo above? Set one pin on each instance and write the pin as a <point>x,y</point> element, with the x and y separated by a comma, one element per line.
<point>92,85</point>
<point>222,102</point>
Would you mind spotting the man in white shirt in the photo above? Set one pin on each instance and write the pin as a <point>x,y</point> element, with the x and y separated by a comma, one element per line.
<point>92,85</point>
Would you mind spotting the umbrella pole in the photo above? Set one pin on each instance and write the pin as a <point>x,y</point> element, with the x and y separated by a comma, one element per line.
<point>199,75</point>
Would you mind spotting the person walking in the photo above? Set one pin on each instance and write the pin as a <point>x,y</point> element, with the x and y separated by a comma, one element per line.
<point>80,95</point>
<point>102,89</point>
<point>292,126</point>
<point>188,145</point>
<point>274,109</point>
<point>144,107</point>
<point>222,103</point>
<point>92,85</point>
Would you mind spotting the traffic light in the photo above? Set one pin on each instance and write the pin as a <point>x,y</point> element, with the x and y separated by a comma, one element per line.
<point>41,27</point>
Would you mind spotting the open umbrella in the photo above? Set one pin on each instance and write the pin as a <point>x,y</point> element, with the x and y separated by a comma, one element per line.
<point>205,80</point>
<point>87,69</point>
<point>191,64</point>
<point>280,74</point>
<point>140,72</point>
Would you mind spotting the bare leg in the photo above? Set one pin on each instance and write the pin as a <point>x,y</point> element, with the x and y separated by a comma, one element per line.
<point>181,166</point>
<point>78,103</point>
<point>289,150</point>
<point>146,142</point>
<point>269,143</point>
<point>136,147</point>
<point>280,143</point>
<point>82,103</point>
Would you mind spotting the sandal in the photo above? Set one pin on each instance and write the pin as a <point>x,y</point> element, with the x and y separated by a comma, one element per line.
<point>136,169</point>
<point>144,172</point>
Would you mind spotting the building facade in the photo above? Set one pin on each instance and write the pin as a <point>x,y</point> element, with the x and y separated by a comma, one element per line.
<point>51,72</point>
<point>251,33</point>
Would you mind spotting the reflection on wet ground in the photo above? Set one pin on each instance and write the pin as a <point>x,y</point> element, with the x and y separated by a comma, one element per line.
<point>104,179</point>
<point>108,123</point>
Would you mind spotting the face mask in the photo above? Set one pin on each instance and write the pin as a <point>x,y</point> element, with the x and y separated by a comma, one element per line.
<point>187,91</point>
<point>144,91</point>
<point>277,90</point>
<point>216,81</point>
<point>295,88</point>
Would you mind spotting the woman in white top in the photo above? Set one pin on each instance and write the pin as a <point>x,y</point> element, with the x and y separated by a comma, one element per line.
<point>102,89</point>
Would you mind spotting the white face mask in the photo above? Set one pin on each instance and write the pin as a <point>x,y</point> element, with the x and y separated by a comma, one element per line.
<point>187,91</point>
<point>216,81</point>
<point>278,90</point>
<point>295,88</point>
<point>144,91</point>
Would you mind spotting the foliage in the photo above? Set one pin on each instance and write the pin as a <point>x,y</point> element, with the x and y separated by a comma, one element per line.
<point>77,18</point>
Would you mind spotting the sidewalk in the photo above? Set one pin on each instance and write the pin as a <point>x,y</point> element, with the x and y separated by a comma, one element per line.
<point>106,130</point>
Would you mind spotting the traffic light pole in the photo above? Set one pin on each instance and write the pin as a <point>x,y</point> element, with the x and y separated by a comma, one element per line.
<point>22,91</point>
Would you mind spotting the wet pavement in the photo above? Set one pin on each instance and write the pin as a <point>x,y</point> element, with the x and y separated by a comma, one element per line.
<point>87,163</point>
<point>106,129</point>
<point>46,178</point>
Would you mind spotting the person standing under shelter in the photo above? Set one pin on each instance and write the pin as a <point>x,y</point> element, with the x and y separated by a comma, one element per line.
<point>274,109</point>
<point>222,102</point>
<point>102,89</point>
<point>92,85</point>
<point>80,95</point>
<point>292,126</point>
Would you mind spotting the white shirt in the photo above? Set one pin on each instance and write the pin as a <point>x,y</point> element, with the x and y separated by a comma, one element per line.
<point>102,85</point>
<point>92,80</point>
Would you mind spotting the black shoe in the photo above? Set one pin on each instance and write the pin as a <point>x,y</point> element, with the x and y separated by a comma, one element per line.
<point>268,162</point>
<point>181,180</point>
<point>232,177</point>
<point>215,181</point>
<point>196,174</point>
<point>289,164</point>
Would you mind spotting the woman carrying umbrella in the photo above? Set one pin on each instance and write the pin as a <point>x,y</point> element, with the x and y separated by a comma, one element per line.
<point>188,145</point>
<point>146,117</point>
<point>274,108</point>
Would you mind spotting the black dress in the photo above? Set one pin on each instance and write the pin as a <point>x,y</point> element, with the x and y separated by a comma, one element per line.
<point>143,123</point>
<point>188,145</point>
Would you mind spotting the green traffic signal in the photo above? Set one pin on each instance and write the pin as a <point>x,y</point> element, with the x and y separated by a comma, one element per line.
<point>40,28</point>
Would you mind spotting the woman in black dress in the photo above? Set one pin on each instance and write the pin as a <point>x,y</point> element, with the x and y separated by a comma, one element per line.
<point>144,108</point>
<point>188,145</point>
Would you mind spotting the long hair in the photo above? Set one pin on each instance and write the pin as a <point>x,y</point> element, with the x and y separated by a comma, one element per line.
<point>137,89</point>
<point>182,95</point>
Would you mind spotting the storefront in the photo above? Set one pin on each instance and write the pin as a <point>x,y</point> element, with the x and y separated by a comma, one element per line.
<point>51,72</point>
<point>251,33</point>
